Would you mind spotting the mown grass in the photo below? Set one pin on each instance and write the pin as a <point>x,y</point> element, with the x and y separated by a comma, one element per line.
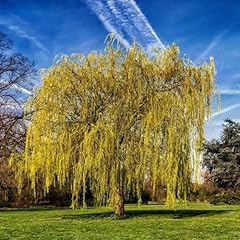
<point>197,221</point>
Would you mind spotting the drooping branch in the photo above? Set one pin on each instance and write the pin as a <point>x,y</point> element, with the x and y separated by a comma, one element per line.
<point>115,117</point>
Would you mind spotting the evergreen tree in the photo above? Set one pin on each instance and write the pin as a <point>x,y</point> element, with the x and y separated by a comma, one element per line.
<point>222,157</point>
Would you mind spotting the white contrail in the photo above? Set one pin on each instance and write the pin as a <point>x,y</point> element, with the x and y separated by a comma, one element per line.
<point>209,48</point>
<point>22,89</point>
<point>126,21</point>
<point>111,29</point>
<point>104,15</point>
<point>230,92</point>
<point>29,37</point>
<point>14,26</point>
<point>236,76</point>
<point>143,24</point>
<point>205,53</point>
<point>227,109</point>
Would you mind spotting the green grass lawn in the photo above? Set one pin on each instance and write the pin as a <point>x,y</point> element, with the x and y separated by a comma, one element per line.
<point>197,221</point>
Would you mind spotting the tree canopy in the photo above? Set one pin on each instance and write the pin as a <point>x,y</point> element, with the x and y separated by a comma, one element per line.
<point>113,118</point>
<point>222,157</point>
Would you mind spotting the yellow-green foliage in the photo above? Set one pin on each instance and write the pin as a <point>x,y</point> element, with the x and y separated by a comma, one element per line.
<point>115,117</point>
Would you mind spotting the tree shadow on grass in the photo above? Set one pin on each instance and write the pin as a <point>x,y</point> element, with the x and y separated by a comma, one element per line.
<point>173,214</point>
<point>32,209</point>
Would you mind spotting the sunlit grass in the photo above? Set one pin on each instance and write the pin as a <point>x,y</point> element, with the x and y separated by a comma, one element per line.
<point>197,221</point>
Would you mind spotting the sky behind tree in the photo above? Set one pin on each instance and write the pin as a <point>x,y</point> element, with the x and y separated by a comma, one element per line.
<point>42,29</point>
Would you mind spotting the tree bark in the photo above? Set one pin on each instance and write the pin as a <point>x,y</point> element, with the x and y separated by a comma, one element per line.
<point>119,207</point>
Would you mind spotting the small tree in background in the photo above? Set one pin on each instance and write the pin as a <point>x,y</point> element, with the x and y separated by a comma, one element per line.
<point>222,158</point>
<point>112,118</point>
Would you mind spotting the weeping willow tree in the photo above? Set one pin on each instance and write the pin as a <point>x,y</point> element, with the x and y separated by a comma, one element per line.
<point>113,118</point>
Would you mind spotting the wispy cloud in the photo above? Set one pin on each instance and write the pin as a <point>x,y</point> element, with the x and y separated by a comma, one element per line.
<point>209,48</point>
<point>21,32</point>
<point>214,123</point>
<point>227,109</point>
<point>230,91</point>
<point>126,21</point>
<point>236,76</point>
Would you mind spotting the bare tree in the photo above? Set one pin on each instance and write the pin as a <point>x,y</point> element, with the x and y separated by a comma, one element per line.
<point>16,73</point>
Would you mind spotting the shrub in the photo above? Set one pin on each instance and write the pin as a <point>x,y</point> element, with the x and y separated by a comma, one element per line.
<point>225,198</point>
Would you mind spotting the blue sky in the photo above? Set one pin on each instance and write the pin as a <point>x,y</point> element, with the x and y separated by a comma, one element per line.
<point>42,29</point>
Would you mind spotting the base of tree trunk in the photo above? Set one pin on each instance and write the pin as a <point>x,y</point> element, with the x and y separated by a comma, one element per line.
<point>119,208</point>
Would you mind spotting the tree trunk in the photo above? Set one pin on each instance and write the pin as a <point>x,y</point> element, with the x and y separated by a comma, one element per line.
<point>5,195</point>
<point>119,207</point>
<point>119,204</point>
